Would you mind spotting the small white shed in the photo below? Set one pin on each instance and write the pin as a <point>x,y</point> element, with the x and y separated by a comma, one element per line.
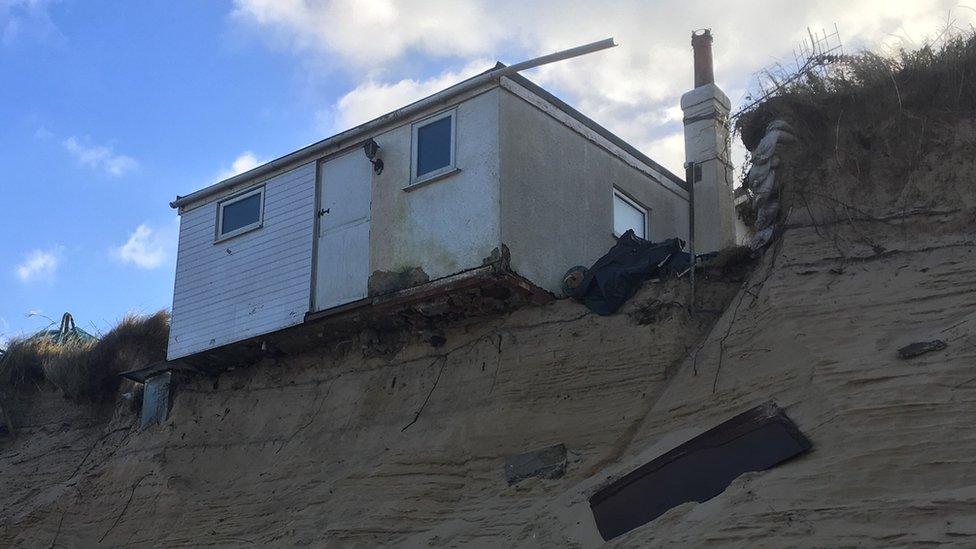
<point>492,167</point>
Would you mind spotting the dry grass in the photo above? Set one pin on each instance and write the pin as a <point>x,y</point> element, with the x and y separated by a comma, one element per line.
<point>932,80</point>
<point>137,341</point>
<point>877,134</point>
<point>730,257</point>
<point>69,368</point>
<point>87,369</point>
<point>21,364</point>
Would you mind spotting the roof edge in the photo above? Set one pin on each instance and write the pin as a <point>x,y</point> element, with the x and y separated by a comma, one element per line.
<point>596,127</point>
<point>491,76</point>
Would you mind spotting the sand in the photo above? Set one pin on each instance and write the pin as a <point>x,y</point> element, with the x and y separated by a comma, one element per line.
<point>328,449</point>
<point>316,448</point>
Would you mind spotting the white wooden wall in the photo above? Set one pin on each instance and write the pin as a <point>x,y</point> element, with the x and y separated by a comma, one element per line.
<point>252,284</point>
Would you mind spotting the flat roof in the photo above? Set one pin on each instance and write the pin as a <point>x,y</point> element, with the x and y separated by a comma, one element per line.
<point>361,131</point>
<point>591,124</point>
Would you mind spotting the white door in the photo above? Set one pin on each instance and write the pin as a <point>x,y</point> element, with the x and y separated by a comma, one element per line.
<point>342,268</point>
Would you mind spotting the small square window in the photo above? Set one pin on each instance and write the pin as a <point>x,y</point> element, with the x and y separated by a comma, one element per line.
<point>628,214</point>
<point>433,147</point>
<point>240,214</point>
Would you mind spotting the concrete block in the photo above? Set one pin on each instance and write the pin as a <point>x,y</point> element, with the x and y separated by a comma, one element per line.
<point>545,463</point>
<point>921,347</point>
<point>155,400</point>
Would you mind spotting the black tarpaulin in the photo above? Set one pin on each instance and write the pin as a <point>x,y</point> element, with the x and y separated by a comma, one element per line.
<point>617,276</point>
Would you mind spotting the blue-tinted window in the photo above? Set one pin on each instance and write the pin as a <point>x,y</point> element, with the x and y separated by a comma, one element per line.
<point>434,146</point>
<point>239,214</point>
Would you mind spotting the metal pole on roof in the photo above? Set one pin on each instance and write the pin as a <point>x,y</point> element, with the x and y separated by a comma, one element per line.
<point>558,56</point>
<point>363,130</point>
<point>690,180</point>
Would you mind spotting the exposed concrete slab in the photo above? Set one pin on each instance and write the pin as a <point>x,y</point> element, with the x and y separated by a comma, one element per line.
<point>479,292</point>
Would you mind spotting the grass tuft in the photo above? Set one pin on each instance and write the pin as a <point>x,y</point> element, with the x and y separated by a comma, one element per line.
<point>69,368</point>
<point>21,363</point>
<point>934,79</point>
<point>87,369</point>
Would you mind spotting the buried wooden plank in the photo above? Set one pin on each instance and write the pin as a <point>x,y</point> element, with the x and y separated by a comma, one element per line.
<point>698,470</point>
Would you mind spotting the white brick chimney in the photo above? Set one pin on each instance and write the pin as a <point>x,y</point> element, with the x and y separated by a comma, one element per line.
<point>706,110</point>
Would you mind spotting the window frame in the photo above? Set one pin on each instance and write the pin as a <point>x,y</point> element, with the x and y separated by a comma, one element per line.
<point>417,180</point>
<point>645,212</point>
<point>220,237</point>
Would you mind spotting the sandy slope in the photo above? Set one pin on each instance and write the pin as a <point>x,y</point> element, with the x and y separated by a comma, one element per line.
<point>320,450</point>
<point>314,449</point>
<point>892,460</point>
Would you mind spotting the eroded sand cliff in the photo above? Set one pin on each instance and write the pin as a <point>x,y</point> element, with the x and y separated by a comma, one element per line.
<point>335,449</point>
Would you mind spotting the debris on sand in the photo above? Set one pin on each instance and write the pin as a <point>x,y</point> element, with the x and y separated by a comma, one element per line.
<point>920,348</point>
<point>545,463</point>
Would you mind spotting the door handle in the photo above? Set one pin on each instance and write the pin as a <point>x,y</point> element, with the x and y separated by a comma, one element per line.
<point>323,212</point>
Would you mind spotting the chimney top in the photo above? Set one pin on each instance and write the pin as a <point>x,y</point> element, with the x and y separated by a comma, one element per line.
<point>701,42</point>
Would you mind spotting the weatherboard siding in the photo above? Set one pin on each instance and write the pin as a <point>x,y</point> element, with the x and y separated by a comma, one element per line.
<point>251,284</point>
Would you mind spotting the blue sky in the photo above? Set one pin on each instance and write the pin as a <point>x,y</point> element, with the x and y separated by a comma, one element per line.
<point>108,110</point>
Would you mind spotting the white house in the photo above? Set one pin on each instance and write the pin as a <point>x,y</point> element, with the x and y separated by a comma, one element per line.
<point>492,169</point>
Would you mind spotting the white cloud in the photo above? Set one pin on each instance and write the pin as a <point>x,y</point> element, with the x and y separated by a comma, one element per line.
<point>100,157</point>
<point>149,248</point>
<point>372,32</point>
<point>244,162</point>
<point>669,151</point>
<point>4,338</point>
<point>633,89</point>
<point>39,265</point>
<point>373,98</point>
